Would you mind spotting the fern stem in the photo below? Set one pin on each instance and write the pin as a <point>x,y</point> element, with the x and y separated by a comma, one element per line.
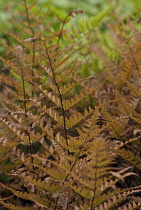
<point>23,85</point>
<point>134,61</point>
<point>33,41</point>
<point>60,96</point>
<point>80,150</point>
<point>95,175</point>
<point>62,27</point>
<point>77,157</point>
<point>25,108</point>
<point>24,91</point>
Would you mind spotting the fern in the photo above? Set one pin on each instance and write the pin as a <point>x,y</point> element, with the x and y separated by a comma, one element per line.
<point>61,153</point>
<point>12,206</point>
<point>89,23</point>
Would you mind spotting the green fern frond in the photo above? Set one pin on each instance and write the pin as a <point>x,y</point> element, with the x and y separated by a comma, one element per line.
<point>89,23</point>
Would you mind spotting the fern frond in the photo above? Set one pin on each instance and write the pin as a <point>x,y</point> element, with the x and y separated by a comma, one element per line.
<point>55,99</point>
<point>68,72</point>
<point>66,88</point>
<point>16,132</point>
<point>36,23</point>
<point>19,40</point>
<point>135,90</point>
<point>113,201</point>
<point>77,118</point>
<point>32,5</point>
<point>64,155</point>
<point>125,74</point>
<point>123,106</point>
<point>58,65</point>
<point>20,194</point>
<point>13,207</point>
<point>56,174</point>
<point>122,144</point>
<point>115,126</point>
<point>49,111</point>
<point>135,119</point>
<point>47,83</point>
<point>132,159</point>
<point>33,16</point>
<point>27,196</point>
<point>16,21</point>
<point>89,23</point>
<point>49,186</point>
<point>131,206</point>
<point>68,103</point>
<point>90,130</point>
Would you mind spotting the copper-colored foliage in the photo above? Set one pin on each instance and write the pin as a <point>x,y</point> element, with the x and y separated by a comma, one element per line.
<point>69,142</point>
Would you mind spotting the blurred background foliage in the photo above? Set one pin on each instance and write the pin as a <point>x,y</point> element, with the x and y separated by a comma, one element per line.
<point>61,7</point>
<point>81,36</point>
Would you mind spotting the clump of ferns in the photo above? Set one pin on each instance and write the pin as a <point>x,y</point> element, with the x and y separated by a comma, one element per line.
<point>67,170</point>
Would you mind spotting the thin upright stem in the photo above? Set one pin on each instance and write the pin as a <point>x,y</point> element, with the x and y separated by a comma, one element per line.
<point>94,189</point>
<point>33,41</point>
<point>62,27</point>
<point>60,96</point>
<point>25,108</point>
